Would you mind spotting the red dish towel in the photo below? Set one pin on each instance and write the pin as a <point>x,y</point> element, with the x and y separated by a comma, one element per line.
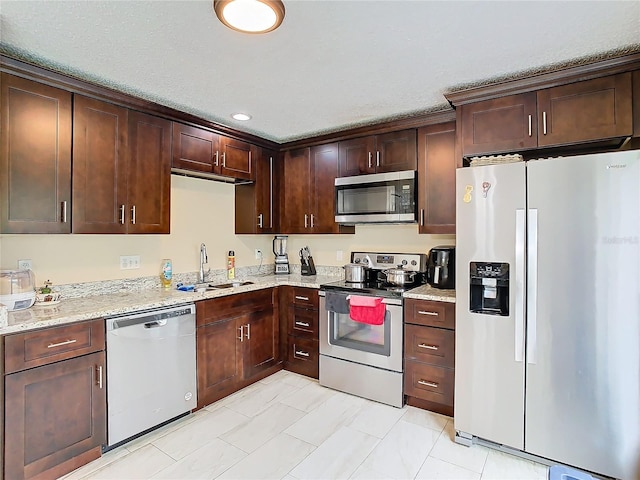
<point>368,310</point>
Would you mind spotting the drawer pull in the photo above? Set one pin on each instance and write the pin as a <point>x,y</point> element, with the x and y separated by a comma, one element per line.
<point>66,342</point>
<point>428,384</point>
<point>99,368</point>
<point>302,298</point>
<point>241,337</point>
<point>424,312</point>
<point>303,324</point>
<point>301,353</point>
<point>430,347</point>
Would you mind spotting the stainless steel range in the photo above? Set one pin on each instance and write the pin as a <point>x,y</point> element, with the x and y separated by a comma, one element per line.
<point>361,327</point>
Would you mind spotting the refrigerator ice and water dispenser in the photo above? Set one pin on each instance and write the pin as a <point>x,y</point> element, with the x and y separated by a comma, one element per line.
<point>489,288</point>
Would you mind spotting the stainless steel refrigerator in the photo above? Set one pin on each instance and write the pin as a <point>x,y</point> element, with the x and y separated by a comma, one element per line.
<point>548,309</point>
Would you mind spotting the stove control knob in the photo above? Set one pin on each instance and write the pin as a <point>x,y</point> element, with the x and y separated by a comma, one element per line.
<point>357,260</point>
<point>404,262</point>
<point>414,263</point>
<point>366,260</point>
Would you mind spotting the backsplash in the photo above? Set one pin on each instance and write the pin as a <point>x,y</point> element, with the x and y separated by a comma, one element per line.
<point>77,290</point>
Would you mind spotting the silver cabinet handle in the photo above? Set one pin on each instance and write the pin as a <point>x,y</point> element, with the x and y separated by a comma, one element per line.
<point>532,285</point>
<point>224,160</point>
<point>422,217</point>
<point>241,337</point>
<point>300,353</point>
<point>303,324</point>
<point>369,158</point>
<point>312,220</point>
<point>519,284</point>
<point>423,312</point>
<point>529,125</point>
<point>544,123</point>
<point>428,384</point>
<point>429,347</point>
<point>306,219</point>
<point>248,331</point>
<point>66,342</point>
<point>260,220</point>
<point>64,211</point>
<point>99,376</point>
<point>133,215</point>
<point>270,192</point>
<point>121,214</point>
<point>298,297</point>
<point>216,159</point>
<point>377,158</point>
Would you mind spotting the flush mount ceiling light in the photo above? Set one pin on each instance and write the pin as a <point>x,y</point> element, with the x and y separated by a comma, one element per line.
<point>250,16</point>
<point>241,116</point>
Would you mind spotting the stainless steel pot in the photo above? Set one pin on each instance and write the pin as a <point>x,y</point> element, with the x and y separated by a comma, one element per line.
<point>355,273</point>
<point>399,276</point>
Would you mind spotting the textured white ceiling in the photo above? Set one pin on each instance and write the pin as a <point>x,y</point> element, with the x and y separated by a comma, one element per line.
<point>332,64</point>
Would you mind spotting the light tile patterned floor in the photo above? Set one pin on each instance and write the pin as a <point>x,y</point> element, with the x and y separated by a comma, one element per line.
<point>289,427</point>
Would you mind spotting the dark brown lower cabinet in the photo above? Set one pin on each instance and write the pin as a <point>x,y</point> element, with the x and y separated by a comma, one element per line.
<point>55,417</point>
<point>237,343</point>
<point>429,355</point>
<point>300,322</point>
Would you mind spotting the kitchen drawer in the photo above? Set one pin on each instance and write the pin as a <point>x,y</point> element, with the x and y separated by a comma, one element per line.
<point>435,346</point>
<point>305,297</point>
<point>429,313</point>
<point>303,322</point>
<point>429,382</point>
<point>302,356</point>
<point>41,347</point>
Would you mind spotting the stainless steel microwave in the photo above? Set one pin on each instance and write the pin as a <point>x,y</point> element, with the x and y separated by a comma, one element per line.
<point>377,198</point>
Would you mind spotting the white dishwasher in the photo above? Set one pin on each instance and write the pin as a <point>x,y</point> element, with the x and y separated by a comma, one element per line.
<point>151,370</point>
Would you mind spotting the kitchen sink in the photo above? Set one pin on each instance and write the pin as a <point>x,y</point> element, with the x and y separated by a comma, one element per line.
<point>200,287</point>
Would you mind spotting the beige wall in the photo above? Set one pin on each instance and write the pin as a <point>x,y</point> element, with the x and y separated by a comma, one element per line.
<point>201,211</point>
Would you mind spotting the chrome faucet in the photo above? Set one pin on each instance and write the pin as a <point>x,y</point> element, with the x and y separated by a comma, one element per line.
<point>203,259</point>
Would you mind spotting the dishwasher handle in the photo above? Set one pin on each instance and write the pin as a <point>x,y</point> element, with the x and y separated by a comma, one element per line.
<point>155,324</point>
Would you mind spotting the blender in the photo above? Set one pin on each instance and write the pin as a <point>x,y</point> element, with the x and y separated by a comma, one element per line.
<point>280,251</point>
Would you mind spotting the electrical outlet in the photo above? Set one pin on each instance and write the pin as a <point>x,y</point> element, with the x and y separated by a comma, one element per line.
<point>339,254</point>
<point>129,262</point>
<point>258,254</point>
<point>24,264</point>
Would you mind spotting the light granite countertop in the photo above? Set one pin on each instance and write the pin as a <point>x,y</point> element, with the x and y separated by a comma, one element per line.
<point>88,307</point>
<point>427,292</point>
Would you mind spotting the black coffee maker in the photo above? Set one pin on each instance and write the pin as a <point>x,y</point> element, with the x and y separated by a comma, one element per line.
<point>441,267</point>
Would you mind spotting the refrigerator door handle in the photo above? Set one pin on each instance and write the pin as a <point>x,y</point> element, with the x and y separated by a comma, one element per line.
<point>532,285</point>
<point>519,284</point>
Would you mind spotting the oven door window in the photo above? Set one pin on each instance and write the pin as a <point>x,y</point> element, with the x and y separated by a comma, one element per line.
<point>347,333</point>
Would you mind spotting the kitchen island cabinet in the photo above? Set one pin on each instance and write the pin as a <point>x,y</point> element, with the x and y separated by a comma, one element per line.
<point>237,342</point>
<point>35,157</point>
<point>437,165</point>
<point>429,336</point>
<point>54,400</point>
<point>308,198</point>
<point>580,112</point>
<point>388,152</point>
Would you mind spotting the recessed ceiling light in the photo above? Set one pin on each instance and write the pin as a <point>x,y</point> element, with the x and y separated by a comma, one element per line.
<point>241,116</point>
<point>250,16</point>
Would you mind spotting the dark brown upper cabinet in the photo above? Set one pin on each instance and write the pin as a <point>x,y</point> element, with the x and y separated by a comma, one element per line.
<point>121,169</point>
<point>257,203</point>
<point>35,158</point>
<point>580,112</point>
<point>437,165</point>
<point>307,197</point>
<point>389,152</point>
<point>199,150</point>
